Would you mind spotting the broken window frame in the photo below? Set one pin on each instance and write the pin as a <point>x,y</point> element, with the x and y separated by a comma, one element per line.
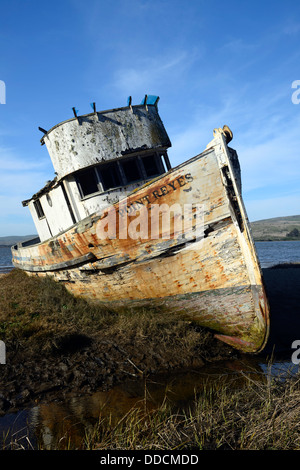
<point>157,158</point>
<point>79,182</point>
<point>115,174</point>
<point>128,161</point>
<point>119,177</point>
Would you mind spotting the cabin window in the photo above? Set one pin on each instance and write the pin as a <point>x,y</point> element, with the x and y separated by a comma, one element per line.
<point>115,174</point>
<point>131,170</point>
<point>151,165</point>
<point>88,182</point>
<point>38,208</point>
<point>110,176</point>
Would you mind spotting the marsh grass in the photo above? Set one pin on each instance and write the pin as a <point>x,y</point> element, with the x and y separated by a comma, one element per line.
<point>40,318</point>
<point>262,415</point>
<point>39,312</point>
<point>29,304</point>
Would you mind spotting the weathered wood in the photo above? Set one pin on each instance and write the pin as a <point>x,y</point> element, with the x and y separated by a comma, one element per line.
<point>98,137</point>
<point>214,279</point>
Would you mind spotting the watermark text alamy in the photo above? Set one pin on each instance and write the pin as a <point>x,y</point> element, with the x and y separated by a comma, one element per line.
<point>296,93</point>
<point>2,92</point>
<point>151,222</point>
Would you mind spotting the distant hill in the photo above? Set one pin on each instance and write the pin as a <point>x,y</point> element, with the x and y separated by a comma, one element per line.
<point>13,239</point>
<point>277,228</point>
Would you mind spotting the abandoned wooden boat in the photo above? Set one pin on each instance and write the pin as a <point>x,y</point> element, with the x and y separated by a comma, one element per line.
<point>118,225</point>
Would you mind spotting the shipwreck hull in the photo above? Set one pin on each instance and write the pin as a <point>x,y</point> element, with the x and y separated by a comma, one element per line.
<point>211,276</point>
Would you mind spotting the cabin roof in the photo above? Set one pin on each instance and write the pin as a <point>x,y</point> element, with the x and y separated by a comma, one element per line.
<point>42,191</point>
<point>102,136</point>
<point>145,102</point>
<point>99,137</point>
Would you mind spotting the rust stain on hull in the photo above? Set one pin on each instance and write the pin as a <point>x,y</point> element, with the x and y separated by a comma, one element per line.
<point>214,280</point>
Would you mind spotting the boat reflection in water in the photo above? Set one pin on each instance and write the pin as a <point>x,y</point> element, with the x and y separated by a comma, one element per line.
<point>64,425</point>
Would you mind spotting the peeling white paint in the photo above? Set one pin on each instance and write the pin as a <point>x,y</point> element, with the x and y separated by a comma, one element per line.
<point>99,137</point>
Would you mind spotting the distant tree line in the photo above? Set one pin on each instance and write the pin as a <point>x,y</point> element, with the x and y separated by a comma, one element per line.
<point>293,233</point>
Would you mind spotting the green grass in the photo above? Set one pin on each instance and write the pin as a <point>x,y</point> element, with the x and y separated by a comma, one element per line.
<point>275,229</point>
<point>39,314</point>
<point>36,310</point>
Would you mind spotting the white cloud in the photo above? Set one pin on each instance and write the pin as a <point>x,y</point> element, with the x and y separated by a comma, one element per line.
<point>192,140</point>
<point>273,163</point>
<point>291,27</point>
<point>154,73</point>
<point>12,162</point>
<point>267,139</point>
<point>19,180</point>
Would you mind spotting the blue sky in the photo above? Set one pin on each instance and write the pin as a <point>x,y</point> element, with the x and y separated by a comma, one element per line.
<point>211,62</point>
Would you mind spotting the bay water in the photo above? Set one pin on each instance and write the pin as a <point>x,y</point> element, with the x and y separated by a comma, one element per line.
<point>5,259</point>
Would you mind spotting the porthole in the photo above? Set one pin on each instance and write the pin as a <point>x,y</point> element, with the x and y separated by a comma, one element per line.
<point>49,199</point>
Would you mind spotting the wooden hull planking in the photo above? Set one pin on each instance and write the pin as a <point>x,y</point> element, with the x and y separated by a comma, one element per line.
<point>213,279</point>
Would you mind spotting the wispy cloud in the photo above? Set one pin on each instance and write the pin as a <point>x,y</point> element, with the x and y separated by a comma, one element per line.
<point>154,73</point>
<point>291,27</point>
<point>266,137</point>
<point>9,161</point>
<point>274,162</point>
<point>19,179</point>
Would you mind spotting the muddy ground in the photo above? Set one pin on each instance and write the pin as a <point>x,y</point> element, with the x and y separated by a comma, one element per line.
<point>81,364</point>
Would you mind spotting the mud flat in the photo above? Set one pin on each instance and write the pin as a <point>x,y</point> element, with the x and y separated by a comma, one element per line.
<point>57,345</point>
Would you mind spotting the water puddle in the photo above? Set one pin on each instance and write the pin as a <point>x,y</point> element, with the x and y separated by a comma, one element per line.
<point>63,425</point>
